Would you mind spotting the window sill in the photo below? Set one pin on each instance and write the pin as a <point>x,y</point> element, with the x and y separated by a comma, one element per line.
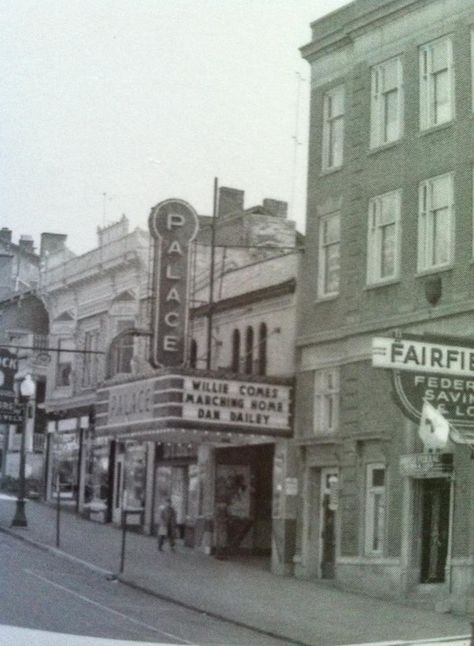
<point>431,129</point>
<point>382,147</point>
<point>382,283</point>
<point>434,270</point>
<point>324,299</point>
<point>330,171</point>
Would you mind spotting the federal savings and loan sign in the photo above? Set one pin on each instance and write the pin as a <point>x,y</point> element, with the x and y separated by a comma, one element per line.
<point>440,373</point>
<point>196,402</point>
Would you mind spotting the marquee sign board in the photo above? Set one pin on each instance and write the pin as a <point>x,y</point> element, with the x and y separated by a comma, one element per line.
<point>10,411</point>
<point>173,225</point>
<point>440,373</point>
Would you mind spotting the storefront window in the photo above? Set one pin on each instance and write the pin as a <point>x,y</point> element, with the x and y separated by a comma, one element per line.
<point>66,461</point>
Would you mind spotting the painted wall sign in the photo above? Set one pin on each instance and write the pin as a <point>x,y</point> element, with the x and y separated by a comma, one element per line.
<point>173,225</point>
<point>422,356</point>
<point>10,411</point>
<point>236,402</point>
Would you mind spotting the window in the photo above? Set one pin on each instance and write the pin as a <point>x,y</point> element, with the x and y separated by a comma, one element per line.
<point>326,401</point>
<point>329,243</point>
<point>262,349</point>
<point>236,351</point>
<point>383,237</point>
<point>91,360</point>
<point>249,351</point>
<point>333,128</point>
<point>64,363</point>
<point>435,222</point>
<point>386,105</point>
<point>122,349</point>
<point>193,353</point>
<point>375,509</point>
<point>436,83</point>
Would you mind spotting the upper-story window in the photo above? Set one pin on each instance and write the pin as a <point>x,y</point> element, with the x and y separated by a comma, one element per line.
<point>91,358</point>
<point>329,254</point>
<point>326,400</point>
<point>262,349</point>
<point>64,361</point>
<point>236,351</point>
<point>193,353</point>
<point>249,351</point>
<point>386,105</point>
<point>436,83</point>
<point>435,222</point>
<point>375,509</point>
<point>383,242</point>
<point>333,128</point>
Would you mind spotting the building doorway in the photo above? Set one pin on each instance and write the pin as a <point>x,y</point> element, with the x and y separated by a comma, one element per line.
<point>434,529</point>
<point>329,483</point>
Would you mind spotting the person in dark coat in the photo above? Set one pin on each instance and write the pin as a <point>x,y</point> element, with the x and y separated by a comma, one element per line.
<point>167,525</point>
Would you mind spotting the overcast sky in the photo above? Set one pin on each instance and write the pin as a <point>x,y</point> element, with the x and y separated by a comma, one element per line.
<point>142,100</point>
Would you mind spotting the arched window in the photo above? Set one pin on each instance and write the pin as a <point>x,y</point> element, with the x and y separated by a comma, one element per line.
<point>121,354</point>
<point>193,353</point>
<point>262,349</point>
<point>249,351</point>
<point>236,351</point>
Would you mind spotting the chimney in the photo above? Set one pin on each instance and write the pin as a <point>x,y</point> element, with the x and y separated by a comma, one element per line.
<point>51,243</point>
<point>276,207</point>
<point>26,244</point>
<point>231,200</point>
<point>5,235</point>
<point>6,267</point>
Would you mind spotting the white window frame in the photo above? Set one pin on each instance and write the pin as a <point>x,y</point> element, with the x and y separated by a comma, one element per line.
<point>380,91</point>
<point>375,526</point>
<point>428,105</point>
<point>330,122</point>
<point>378,220</point>
<point>324,245</point>
<point>326,401</point>
<point>426,224</point>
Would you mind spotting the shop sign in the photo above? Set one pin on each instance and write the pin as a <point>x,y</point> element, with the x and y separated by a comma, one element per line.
<point>422,356</point>
<point>426,465</point>
<point>291,486</point>
<point>178,451</point>
<point>131,402</point>
<point>10,411</point>
<point>441,374</point>
<point>173,225</point>
<point>238,403</point>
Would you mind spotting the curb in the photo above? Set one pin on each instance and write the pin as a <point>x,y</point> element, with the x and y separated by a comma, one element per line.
<point>135,586</point>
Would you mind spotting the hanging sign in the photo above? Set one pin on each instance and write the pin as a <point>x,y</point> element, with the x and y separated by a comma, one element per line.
<point>173,225</point>
<point>10,411</point>
<point>441,374</point>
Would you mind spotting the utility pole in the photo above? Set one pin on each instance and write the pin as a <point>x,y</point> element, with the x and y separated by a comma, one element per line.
<point>211,277</point>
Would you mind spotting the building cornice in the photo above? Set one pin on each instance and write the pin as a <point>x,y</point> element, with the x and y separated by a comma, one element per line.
<point>379,325</point>
<point>233,302</point>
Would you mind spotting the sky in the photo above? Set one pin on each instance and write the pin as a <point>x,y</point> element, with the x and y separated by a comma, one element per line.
<point>110,106</point>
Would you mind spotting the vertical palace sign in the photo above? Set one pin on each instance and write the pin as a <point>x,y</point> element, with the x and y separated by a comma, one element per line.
<point>440,371</point>
<point>173,225</point>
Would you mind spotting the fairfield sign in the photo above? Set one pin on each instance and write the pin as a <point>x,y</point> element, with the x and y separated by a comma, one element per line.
<point>173,225</point>
<point>434,371</point>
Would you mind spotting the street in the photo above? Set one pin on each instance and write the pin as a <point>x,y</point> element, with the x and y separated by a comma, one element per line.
<point>44,592</point>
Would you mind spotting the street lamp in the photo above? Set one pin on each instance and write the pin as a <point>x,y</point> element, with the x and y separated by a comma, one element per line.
<point>27,391</point>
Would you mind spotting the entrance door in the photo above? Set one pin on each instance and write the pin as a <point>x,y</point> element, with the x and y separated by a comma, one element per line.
<point>434,529</point>
<point>118,488</point>
<point>329,479</point>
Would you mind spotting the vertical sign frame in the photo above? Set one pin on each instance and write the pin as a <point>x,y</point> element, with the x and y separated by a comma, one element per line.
<point>173,225</point>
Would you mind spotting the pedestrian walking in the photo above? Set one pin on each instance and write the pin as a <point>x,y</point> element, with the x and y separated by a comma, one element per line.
<point>167,525</point>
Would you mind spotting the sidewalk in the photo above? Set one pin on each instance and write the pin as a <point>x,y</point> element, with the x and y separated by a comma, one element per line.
<point>298,611</point>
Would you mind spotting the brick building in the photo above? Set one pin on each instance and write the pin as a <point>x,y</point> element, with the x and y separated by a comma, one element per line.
<point>389,251</point>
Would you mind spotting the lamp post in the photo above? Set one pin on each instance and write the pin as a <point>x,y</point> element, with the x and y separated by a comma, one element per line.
<point>27,391</point>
